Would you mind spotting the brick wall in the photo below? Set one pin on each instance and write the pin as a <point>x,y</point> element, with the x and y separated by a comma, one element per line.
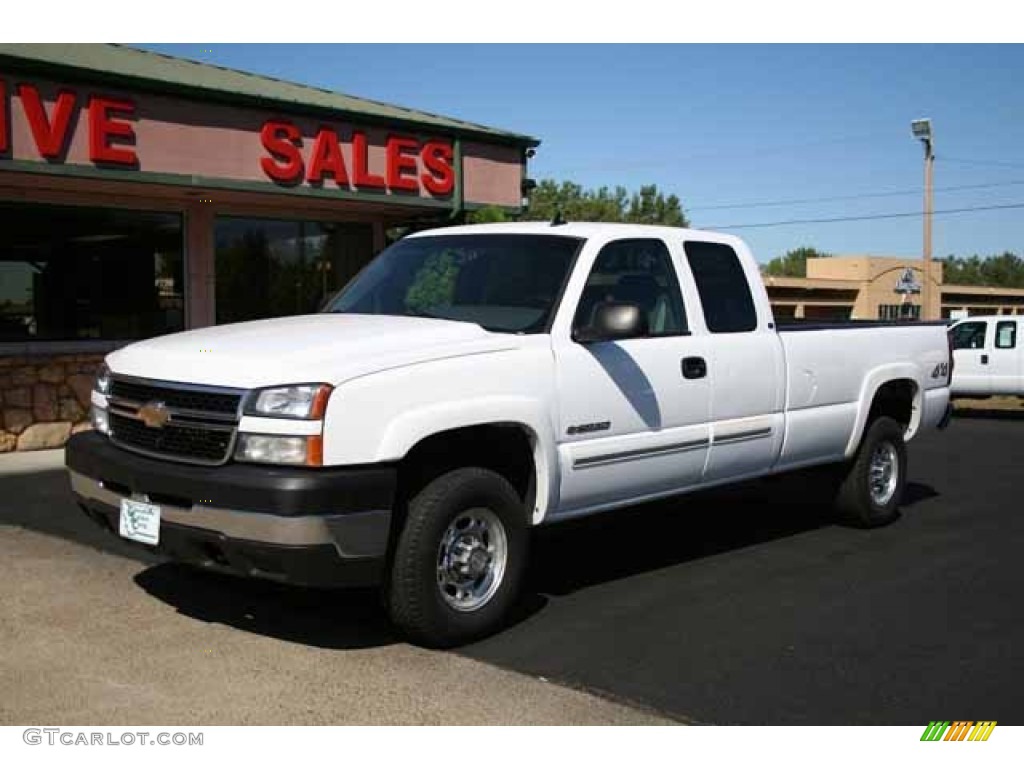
<point>44,400</point>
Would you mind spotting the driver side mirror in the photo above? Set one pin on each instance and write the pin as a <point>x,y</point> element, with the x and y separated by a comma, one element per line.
<point>613,321</point>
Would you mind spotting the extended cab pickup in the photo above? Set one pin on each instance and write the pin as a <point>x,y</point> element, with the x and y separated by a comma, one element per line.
<point>988,356</point>
<point>475,381</point>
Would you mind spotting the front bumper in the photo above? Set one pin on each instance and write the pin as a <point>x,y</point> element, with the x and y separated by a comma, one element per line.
<point>320,527</point>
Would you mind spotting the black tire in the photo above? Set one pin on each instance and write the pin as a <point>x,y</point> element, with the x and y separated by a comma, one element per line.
<point>414,598</point>
<point>854,502</point>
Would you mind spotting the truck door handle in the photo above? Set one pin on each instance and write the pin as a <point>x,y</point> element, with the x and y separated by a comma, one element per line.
<point>984,359</point>
<point>694,368</point>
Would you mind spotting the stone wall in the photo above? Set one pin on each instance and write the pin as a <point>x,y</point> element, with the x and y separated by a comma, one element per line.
<point>44,400</point>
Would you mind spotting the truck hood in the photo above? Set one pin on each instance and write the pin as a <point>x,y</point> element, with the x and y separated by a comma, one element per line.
<point>329,348</point>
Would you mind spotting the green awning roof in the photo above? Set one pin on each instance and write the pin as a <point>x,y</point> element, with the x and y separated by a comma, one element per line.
<point>157,71</point>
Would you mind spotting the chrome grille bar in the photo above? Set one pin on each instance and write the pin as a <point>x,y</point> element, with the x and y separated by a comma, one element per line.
<point>192,435</point>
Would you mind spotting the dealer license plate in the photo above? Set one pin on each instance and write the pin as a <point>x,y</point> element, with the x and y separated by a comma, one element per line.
<point>140,521</point>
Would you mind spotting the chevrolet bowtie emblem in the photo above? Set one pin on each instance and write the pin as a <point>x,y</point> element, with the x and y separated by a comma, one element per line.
<point>154,414</point>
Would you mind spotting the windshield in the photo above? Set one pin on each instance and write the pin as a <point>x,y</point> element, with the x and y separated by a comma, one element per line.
<point>506,283</point>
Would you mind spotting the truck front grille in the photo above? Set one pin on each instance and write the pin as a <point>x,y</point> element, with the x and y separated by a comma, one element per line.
<point>192,399</point>
<point>180,442</point>
<point>199,424</point>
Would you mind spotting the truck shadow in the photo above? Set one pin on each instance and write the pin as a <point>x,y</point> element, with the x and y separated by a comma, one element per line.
<point>576,554</point>
<point>324,618</point>
<point>994,414</point>
<point>337,619</point>
<point>565,557</point>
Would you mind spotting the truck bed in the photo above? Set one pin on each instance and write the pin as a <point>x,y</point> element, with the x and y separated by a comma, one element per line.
<point>832,370</point>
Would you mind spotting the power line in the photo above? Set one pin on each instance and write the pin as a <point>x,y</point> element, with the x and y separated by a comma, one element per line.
<point>979,162</point>
<point>834,198</point>
<point>870,217</point>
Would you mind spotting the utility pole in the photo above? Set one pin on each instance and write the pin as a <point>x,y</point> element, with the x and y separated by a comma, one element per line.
<point>922,130</point>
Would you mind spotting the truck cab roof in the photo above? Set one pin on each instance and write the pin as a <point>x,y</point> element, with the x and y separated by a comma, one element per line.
<point>580,229</point>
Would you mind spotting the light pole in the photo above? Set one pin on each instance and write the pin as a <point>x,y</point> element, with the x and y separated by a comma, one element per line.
<point>922,130</point>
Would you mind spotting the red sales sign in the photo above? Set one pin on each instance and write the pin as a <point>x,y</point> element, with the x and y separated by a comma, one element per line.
<point>108,124</point>
<point>411,165</point>
<point>285,162</point>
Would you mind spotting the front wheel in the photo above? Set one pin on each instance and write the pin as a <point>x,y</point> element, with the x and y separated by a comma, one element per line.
<point>870,493</point>
<point>459,558</point>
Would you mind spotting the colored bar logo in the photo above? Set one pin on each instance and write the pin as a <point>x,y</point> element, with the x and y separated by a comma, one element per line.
<point>961,730</point>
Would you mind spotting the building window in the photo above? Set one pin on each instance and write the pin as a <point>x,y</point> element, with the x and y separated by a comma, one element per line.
<point>899,311</point>
<point>89,273</point>
<point>819,313</point>
<point>269,268</point>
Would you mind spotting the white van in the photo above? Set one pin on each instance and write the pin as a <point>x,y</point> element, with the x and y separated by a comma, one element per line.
<point>987,356</point>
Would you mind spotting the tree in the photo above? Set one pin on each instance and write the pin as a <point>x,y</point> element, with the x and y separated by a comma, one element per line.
<point>575,202</point>
<point>794,262</point>
<point>649,206</point>
<point>491,213</point>
<point>646,206</point>
<point>1005,270</point>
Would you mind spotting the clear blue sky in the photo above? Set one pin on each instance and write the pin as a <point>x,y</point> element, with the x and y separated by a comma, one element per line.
<point>720,125</point>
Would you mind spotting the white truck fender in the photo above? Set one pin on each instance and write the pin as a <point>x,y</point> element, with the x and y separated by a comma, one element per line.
<point>874,380</point>
<point>410,427</point>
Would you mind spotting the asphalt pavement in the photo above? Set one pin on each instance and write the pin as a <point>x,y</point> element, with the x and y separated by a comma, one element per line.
<point>752,607</point>
<point>742,606</point>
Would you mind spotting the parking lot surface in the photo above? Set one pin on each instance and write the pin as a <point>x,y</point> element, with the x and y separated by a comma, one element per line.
<point>90,633</point>
<point>745,606</point>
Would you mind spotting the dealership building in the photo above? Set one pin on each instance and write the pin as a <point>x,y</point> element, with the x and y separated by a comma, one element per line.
<point>881,288</point>
<point>142,194</point>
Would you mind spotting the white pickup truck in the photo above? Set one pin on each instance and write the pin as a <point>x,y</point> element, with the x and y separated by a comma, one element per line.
<point>988,356</point>
<point>475,381</point>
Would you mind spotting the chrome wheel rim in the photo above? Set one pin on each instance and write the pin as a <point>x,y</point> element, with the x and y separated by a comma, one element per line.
<point>883,473</point>
<point>471,559</point>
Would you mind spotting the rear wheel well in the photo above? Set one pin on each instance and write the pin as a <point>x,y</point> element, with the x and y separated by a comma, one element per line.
<point>895,399</point>
<point>504,448</point>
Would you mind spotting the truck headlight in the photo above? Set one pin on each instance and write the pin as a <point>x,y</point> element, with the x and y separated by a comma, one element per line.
<point>280,449</point>
<point>102,383</point>
<point>298,401</point>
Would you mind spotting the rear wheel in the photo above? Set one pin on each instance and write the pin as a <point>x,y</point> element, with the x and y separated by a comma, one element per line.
<point>871,489</point>
<point>459,558</point>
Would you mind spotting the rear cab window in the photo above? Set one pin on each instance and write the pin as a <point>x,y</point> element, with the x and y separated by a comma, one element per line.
<point>1006,334</point>
<point>722,286</point>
